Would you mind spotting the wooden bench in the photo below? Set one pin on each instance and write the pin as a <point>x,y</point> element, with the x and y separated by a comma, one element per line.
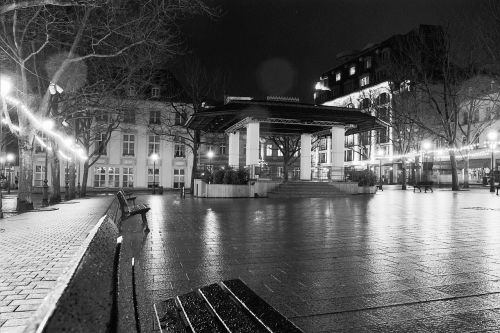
<point>132,209</point>
<point>379,187</point>
<point>497,187</point>
<point>230,306</point>
<point>425,185</point>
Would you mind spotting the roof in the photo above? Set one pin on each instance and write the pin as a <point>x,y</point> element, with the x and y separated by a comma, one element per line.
<point>282,118</point>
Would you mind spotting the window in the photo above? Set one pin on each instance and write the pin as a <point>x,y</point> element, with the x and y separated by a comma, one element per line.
<point>269,150</point>
<point>128,144</point>
<point>383,98</point>
<point>113,177</point>
<point>155,92</point>
<point>279,150</point>
<point>348,156</point>
<point>365,138</point>
<point>154,144</point>
<point>129,116</point>
<point>39,175</point>
<point>39,148</point>
<point>153,178</point>
<point>131,91</point>
<point>178,119</point>
<point>210,148</point>
<point>222,149</point>
<point>365,103</point>
<point>322,144</point>
<point>350,106</point>
<point>364,81</point>
<point>100,143</point>
<point>385,55</point>
<point>382,136</point>
<point>368,62</point>
<point>99,177</point>
<point>338,76</point>
<point>180,149</point>
<point>128,177</point>
<point>178,178</point>
<point>154,117</point>
<point>352,70</point>
<point>322,158</point>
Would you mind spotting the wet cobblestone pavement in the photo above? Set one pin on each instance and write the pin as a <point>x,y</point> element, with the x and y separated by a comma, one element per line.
<point>392,262</point>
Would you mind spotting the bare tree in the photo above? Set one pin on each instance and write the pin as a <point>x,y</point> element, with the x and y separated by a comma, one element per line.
<point>198,85</point>
<point>75,33</point>
<point>289,146</point>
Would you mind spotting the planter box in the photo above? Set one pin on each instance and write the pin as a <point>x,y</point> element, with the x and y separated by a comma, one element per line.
<point>367,189</point>
<point>255,188</point>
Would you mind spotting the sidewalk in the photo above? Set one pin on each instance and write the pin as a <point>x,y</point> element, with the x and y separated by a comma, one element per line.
<point>36,248</point>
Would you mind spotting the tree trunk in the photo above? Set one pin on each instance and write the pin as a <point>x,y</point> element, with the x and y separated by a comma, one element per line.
<point>194,168</point>
<point>55,195</point>
<point>403,183</point>
<point>84,178</point>
<point>454,174</point>
<point>285,171</point>
<point>466,171</point>
<point>72,179</point>
<point>24,200</point>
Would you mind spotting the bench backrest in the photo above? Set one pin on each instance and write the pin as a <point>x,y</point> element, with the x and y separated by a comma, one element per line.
<point>123,202</point>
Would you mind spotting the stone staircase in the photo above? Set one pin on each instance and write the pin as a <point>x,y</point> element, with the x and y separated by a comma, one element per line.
<point>304,189</point>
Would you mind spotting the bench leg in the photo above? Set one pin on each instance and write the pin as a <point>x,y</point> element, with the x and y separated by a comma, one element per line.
<point>145,222</point>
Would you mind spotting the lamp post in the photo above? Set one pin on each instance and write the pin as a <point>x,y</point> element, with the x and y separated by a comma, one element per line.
<point>380,154</point>
<point>210,155</point>
<point>492,136</point>
<point>47,125</point>
<point>154,157</point>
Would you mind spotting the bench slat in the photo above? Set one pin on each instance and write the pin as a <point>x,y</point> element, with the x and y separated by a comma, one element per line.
<point>197,313</point>
<point>272,319</point>
<point>169,318</point>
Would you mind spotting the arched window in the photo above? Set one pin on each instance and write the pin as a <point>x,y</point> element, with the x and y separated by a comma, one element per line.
<point>365,103</point>
<point>383,98</point>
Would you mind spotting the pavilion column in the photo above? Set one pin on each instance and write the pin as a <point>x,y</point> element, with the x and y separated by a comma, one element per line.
<point>305,157</point>
<point>338,138</point>
<point>253,143</point>
<point>328,150</point>
<point>234,149</point>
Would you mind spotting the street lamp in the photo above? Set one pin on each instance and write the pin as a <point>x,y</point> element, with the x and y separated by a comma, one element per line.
<point>210,155</point>
<point>492,136</point>
<point>47,125</point>
<point>380,154</point>
<point>154,157</point>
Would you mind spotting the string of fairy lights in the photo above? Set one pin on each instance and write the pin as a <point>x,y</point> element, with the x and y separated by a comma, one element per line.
<point>67,145</point>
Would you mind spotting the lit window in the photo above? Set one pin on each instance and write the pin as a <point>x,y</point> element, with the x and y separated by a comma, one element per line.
<point>338,76</point>
<point>113,177</point>
<point>99,177</point>
<point>180,149</point>
<point>280,152</point>
<point>153,176</point>
<point>154,144</point>
<point>128,177</point>
<point>178,178</point>
<point>222,149</point>
<point>39,175</point>
<point>100,143</point>
<point>352,70</point>
<point>269,150</point>
<point>155,92</point>
<point>368,62</point>
<point>178,119</point>
<point>128,144</point>
<point>154,117</point>
<point>365,80</point>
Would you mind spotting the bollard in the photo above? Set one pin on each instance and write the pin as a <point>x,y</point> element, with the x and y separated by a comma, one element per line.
<point>45,193</point>
<point>183,192</point>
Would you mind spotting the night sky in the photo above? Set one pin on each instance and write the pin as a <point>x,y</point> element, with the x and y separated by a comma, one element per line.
<point>280,47</point>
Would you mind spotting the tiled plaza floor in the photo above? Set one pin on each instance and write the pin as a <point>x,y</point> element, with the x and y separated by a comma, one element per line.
<point>391,262</point>
<point>36,248</point>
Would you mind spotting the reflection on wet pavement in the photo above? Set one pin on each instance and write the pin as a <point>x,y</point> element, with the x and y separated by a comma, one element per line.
<point>395,261</point>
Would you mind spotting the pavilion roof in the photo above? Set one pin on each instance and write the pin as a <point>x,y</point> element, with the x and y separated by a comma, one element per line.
<point>282,118</point>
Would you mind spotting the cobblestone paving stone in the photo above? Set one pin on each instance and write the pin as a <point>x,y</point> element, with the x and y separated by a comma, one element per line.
<point>35,249</point>
<point>396,261</point>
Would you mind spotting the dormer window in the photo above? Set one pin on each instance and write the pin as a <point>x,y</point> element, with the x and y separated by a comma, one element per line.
<point>131,91</point>
<point>368,62</point>
<point>155,92</point>
<point>364,81</point>
<point>338,76</point>
<point>352,70</point>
